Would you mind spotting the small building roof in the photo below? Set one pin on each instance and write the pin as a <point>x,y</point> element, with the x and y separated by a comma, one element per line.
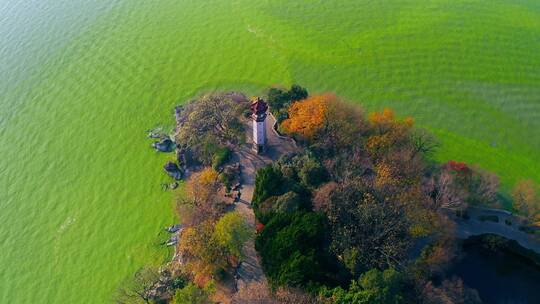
<point>258,106</point>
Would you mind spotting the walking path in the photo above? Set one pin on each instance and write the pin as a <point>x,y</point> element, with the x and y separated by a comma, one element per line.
<point>250,269</point>
<point>475,226</point>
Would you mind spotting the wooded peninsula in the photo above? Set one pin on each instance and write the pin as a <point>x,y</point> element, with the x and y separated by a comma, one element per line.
<point>299,198</point>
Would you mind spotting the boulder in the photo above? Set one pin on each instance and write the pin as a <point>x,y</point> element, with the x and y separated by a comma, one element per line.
<point>173,185</point>
<point>174,228</point>
<point>155,135</point>
<point>172,241</point>
<point>160,292</point>
<point>165,145</point>
<point>185,157</point>
<point>180,156</point>
<point>173,170</point>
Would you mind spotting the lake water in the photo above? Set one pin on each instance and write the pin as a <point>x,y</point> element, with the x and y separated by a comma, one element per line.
<point>500,277</point>
<point>81,207</point>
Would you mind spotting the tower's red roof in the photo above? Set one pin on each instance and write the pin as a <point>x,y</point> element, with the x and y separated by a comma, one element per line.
<point>258,106</point>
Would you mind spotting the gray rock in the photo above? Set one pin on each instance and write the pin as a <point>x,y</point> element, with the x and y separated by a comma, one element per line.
<point>155,135</point>
<point>165,145</point>
<point>173,170</point>
<point>172,241</point>
<point>174,228</point>
<point>180,156</point>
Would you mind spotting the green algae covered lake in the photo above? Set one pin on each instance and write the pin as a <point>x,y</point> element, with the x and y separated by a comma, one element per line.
<point>81,207</point>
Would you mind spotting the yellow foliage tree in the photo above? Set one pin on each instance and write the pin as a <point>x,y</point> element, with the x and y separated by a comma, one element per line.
<point>202,186</point>
<point>203,254</point>
<point>208,176</point>
<point>385,117</point>
<point>387,120</point>
<point>388,131</point>
<point>204,201</point>
<point>527,199</point>
<point>385,175</point>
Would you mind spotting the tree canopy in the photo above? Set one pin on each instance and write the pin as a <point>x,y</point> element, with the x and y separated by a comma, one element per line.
<point>202,201</point>
<point>209,123</point>
<point>371,185</point>
<point>367,229</point>
<point>280,100</point>
<point>231,232</point>
<point>288,246</point>
<point>326,122</point>
<point>136,289</point>
<point>526,195</point>
<point>192,294</point>
<point>373,287</point>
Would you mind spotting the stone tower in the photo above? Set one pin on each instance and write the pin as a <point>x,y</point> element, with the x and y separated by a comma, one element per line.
<point>258,109</point>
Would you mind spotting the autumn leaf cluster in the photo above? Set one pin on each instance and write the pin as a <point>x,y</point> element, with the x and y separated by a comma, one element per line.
<point>309,116</point>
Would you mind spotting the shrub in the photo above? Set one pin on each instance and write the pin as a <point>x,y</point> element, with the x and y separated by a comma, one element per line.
<point>179,282</point>
<point>302,171</point>
<point>220,157</point>
<point>312,173</point>
<point>297,269</point>
<point>279,99</point>
<point>227,178</point>
<point>268,182</point>
<point>280,115</point>
<point>288,202</point>
<point>231,232</point>
<point>373,286</point>
<point>191,294</point>
<point>288,245</point>
<point>297,93</point>
<point>264,211</point>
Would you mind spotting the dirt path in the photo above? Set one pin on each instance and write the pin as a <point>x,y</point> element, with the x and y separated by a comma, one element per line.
<point>250,269</point>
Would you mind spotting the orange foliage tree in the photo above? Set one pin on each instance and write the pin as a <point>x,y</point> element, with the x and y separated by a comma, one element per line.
<point>327,120</point>
<point>308,117</point>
